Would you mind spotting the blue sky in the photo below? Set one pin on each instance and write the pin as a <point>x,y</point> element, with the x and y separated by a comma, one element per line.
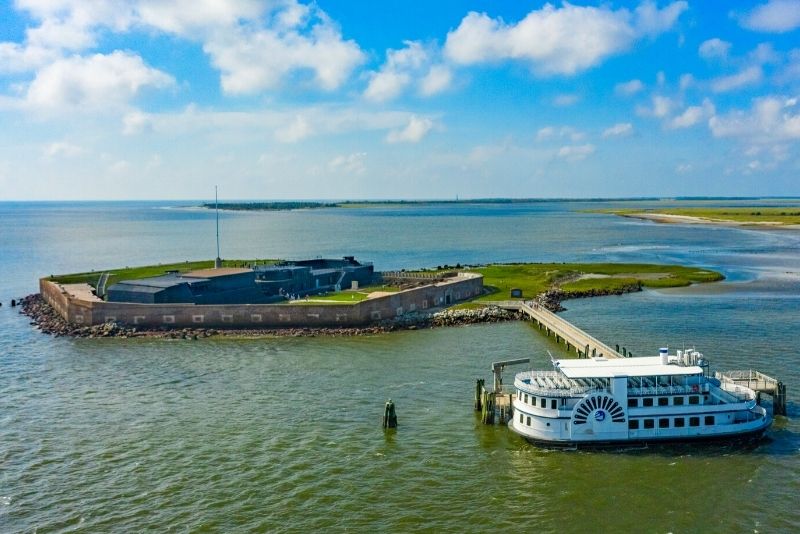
<point>284,99</point>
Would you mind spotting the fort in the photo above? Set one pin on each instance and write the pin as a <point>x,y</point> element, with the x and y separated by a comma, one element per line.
<point>202,306</point>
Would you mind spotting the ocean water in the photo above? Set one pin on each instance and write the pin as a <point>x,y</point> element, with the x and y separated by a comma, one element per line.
<point>283,435</point>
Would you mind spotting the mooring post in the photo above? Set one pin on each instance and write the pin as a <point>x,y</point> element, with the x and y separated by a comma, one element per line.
<point>624,352</point>
<point>586,351</point>
<point>13,303</point>
<point>779,400</point>
<point>617,347</point>
<point>478,390</point>
<point>389,415</point>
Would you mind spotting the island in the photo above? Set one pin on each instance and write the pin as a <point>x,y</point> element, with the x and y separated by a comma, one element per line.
<point>83,304</point>
<point>754,216</point>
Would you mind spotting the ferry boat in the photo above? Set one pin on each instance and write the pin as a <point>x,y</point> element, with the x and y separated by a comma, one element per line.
<point>600,401</point>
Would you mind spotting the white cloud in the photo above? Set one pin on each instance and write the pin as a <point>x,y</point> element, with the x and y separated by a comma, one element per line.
<point>714,49</point>
<point>771,119</point>
<point>776,16</point>
<point>295,131</point>
<point>692,115</point>
<point>566,100</point>
<point>404,67</point>
<point>554,40</point>
<point>684,168</point>
<point>438,79</point>
<point>93,82</point>
<point>349,164</point>
<point>686,81</point>
<point>628,88</point>
<point>135,122</point>
<point>251,61</point>
<point>749,76</point>
<point>618,130</point>
<point>576,152</point>
<point>185,17</point>
<point>564,132</point>
<point>661,107</point>
<point>63,149</point>
<point>414,131</point>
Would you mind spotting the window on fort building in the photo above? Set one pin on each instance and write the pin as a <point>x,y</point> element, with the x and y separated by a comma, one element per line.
<point>529,421</point>
<point>633,403</point>
<point>649,423</point>
<point>677,401</point>
<point>709,420</point>
<point>694,399</point>
<point>678,422</point>
<point>633,424</point>
<point>663,423</point>
<point>554,404</point>
<point>543,403</point>
<point>647,401</point>
<point>663,401</point>
<point>694,421</point>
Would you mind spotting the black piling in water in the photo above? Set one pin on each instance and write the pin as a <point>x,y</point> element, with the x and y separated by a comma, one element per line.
<point>13,303</point>
<point>389,415</point>
<point>478,390</point>
<point>624,352</point>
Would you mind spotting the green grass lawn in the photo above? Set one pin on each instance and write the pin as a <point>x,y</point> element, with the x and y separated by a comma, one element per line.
<point>774,215</point>
<point>351,296</point>
<point>135,273</point>
<point>535,278</point>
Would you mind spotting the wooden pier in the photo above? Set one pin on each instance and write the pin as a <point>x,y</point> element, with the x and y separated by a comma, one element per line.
<point>760,383</point>
<point>564,331</point>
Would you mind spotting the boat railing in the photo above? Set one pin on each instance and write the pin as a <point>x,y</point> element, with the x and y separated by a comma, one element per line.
<point>733,393</point>
<point>668,390</point>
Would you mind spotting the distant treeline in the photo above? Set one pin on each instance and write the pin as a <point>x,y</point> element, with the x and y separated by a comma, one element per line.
<point>268,206</point>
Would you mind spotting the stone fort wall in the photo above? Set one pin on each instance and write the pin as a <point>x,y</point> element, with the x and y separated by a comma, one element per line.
<point>83,312</point>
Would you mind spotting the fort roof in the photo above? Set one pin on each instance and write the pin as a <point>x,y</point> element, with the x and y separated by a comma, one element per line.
<point>213,273</point>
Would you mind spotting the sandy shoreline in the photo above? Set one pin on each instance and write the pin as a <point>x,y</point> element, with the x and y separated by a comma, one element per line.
<point>668,218</point>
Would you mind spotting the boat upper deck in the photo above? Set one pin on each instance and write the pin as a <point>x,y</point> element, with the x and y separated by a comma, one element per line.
<point>624,367</point>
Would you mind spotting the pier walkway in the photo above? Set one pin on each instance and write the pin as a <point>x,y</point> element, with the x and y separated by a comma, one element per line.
<point>575,338</point>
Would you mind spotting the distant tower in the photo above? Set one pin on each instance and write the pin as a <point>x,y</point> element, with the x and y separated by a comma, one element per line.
<point>217,261</point>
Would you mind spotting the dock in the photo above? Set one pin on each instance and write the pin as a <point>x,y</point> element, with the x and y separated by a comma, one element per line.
<point>496,402</point>
<point>565,332</point>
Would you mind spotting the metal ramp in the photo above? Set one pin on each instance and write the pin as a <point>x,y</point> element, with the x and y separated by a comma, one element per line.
<point>101,285</point>
<point>760,383</point>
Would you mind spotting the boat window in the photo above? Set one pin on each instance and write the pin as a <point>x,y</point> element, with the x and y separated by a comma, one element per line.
<point>647,401</point>
<point>543,402</point>
<point>526,398</point>
<point>677,401</point>
<point>633,424</point>
<point>694,399</point>
<point>694,421</point>
<point>529,420</point>
<point>663,401</point>
<point>679,422</point>
<point>649,423</point>
<point>633,403</point>
<point>533,400</point>
<point>520,418</point>
<point>709,420</point>
<point>663,423</point>
<point>554,404</point>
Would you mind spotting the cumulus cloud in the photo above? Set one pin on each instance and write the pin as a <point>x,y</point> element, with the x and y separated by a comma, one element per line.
<point>618,130</point>
<point>91,82</point>
<point>629,88</point>
<point>413,64</point>
<point>295,131</point>
<point>661,106</point>
<point>255,60</point>
<point>749,76</point>
<point>135,122</point>
<point>714,49</point>
<point>63,149</point>
<point>566,100</point>
<point>692,115</point>
<point>414,131</point>
<point>564,132</point>
<point>770,119</point>
<point>563,40</point>
<point>776,16</point>
<point>349,164</point>
<point>576,152</point>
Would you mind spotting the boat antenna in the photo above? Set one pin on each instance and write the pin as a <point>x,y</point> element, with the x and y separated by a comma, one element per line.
<point>218,261</point>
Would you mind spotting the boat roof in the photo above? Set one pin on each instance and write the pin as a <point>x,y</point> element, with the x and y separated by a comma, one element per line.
<point>619,367</point>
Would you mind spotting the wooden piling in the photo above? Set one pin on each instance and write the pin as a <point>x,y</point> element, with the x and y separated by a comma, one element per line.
<point>779,400</point>
<point>389,415</point>
<point>478,391</point>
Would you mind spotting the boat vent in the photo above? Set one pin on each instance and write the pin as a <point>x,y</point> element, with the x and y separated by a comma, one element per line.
<point>601,406</point>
